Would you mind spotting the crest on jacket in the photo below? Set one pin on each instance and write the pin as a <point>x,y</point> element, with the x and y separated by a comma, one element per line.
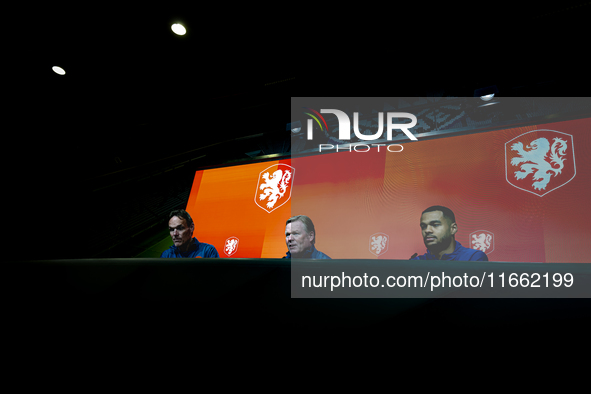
<point>274,187</point>
<point>540,161</point>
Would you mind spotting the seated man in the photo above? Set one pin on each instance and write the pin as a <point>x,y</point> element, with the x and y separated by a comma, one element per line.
<point>181,229</point>
<point>300,238</point>
<point>438,225</point>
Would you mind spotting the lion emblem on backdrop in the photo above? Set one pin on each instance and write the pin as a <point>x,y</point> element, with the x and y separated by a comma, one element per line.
<point>230,246</point>
<point>378,243</point>
<point>481,241</point>
<point>540,160</point>
<point>275,186</point>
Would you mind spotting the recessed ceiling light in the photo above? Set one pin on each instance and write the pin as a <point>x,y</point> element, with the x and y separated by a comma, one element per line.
<point>58,70</point>
<point>484,105</point>
<point>179,29</point>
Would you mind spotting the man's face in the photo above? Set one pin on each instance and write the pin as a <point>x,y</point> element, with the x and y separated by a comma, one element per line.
<point>296,237</point>
<point>180,233</point>
<point>437,230</point>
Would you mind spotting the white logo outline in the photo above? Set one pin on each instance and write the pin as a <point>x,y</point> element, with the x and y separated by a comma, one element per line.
<point>233,245</point>
<point>379,242</point>
<point>559,186</point>
<point>271,188</point>
<point>472,238</point>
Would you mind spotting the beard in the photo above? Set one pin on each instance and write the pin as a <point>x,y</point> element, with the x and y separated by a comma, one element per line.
<point>439,246</point>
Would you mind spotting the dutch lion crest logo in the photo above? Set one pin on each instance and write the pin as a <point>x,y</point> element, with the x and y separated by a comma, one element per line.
<point>274,187</point>
<point>378,243</point>
<point>231,246</point>
<point>482,240</point>
<point>540,161</point>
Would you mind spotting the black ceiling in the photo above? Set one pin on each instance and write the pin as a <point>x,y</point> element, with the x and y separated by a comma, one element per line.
<point>133,86</point>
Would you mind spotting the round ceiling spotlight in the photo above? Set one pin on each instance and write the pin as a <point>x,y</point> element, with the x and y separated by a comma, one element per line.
<point>58,70</point>
<point>178,29</point>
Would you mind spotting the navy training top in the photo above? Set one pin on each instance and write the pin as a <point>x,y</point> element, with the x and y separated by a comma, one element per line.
<point>460,253</point>
<point>196,249</point>
<point>311,253</point>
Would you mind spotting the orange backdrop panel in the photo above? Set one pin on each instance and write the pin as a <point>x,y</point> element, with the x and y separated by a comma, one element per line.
<point>224,206</point>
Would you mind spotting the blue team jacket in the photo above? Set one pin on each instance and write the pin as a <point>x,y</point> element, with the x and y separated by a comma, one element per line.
<point>460,253</point>
<point>197,249</point>
<point>311,253</point>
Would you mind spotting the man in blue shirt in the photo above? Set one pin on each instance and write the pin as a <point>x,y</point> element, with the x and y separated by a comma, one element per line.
<point>300,237</point>
<point>438,226</point>
<point>181,229</point>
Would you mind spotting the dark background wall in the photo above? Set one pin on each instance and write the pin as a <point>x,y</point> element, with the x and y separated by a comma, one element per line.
<point>95,159</point>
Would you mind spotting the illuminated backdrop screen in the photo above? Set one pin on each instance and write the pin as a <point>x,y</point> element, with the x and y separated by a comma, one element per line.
<point>519,194</point>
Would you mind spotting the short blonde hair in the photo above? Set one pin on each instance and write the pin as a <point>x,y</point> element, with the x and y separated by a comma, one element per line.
<point>308,225</point>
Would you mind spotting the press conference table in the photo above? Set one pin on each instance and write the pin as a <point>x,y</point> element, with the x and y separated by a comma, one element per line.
<point>226,292</point>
